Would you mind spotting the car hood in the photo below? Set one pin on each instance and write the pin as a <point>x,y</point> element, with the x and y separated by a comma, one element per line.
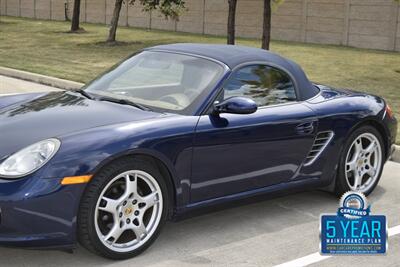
<point>29,118</point>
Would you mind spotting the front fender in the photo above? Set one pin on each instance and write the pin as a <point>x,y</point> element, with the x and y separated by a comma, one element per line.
<point>169,140</point>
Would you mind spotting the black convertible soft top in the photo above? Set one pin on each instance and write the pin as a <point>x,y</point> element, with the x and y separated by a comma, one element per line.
<point>234,55</point>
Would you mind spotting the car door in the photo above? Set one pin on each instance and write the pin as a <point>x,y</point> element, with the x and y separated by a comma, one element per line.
<point>234,153</point>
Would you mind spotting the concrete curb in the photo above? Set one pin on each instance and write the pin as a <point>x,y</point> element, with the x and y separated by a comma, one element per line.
<point>42,79</point>
<point>396,154</point>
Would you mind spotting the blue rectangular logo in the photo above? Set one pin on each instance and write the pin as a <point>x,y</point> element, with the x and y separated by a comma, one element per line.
<point>364,235</point>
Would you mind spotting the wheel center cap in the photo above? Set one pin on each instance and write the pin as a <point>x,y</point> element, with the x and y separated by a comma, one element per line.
<point>360,163</point>
<point>128,211</point>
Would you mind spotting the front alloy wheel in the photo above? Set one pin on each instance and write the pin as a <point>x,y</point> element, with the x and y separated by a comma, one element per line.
<point>128,211</point>
<point>123,209</point>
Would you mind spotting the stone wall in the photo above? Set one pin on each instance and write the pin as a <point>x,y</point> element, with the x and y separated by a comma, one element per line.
<point>359,23</point>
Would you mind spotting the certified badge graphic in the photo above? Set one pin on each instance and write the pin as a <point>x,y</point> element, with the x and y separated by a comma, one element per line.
<point>353,230</point>
<point>352,205</point>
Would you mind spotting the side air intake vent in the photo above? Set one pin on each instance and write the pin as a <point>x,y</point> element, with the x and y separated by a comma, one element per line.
<point>320,143</point>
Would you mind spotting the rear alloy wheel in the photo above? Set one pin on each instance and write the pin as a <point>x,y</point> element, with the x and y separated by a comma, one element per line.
<point>123,213</point>
<point>362,162</point>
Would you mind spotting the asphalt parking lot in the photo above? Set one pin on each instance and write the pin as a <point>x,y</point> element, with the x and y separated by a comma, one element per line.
<point>282,230</point>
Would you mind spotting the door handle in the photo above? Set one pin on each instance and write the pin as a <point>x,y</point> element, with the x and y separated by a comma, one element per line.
<point>305,128</point>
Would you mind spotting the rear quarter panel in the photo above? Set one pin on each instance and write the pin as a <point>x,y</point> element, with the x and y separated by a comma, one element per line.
<point>342,111</point>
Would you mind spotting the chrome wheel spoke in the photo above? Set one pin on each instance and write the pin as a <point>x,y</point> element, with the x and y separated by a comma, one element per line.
<point>371,148</point>
<point>357,179</point>
<point>150,200</point>
<point>114,233</point>
<point>110,205</point>
<point>139,230</point>
<point>131,185</point>
<point>367,161</point>
<point>351,166</point>
<point>358,147</point>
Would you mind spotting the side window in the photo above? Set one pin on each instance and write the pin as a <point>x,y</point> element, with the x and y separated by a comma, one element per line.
<point>264,84</point>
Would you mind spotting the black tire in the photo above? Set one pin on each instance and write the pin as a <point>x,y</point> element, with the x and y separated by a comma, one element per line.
<point>87,235</point>
<point>341,183</point>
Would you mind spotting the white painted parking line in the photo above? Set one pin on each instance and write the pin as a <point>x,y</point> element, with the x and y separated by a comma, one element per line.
<point>10,94</point>
<point>304,261</point>
<point>394,230</point>
<point>316,257</point>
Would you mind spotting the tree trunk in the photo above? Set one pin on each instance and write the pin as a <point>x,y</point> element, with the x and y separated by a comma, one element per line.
<point>266,38</point>
<point>114,21</point>
<point>231,21</point>
<point>75,16</point>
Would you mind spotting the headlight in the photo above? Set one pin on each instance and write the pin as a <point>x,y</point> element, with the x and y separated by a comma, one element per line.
<point>29,159</point>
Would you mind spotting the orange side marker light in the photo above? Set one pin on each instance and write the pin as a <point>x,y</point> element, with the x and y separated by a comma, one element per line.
<point>76,180</point>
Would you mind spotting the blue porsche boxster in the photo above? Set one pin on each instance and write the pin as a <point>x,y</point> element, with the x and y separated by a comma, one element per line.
<point>172,129</point>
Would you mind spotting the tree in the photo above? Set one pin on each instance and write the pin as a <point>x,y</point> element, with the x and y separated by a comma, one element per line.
<point>114,21</point>
<point>231,21</point>
<point>169,8</point>
<point>266,38</point>
<point>75,16</point>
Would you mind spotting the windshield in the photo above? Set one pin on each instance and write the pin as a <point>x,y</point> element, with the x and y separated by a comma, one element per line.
<point>159,80</point>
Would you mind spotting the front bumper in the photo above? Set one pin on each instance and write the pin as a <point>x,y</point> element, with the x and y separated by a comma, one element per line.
<point>37,212</point>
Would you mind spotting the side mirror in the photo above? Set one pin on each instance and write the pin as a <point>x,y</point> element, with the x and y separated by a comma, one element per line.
<point>236,105</point>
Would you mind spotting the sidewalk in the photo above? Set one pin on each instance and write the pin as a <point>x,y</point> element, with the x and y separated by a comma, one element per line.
<point>10,85</point>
